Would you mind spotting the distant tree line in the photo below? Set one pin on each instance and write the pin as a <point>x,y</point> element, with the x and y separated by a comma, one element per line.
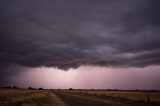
<point>11,87</point>
<point>15,87</point>
<point>30,88</point>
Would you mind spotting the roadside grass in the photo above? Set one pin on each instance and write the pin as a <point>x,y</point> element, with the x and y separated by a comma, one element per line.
<point>22,97</point>
<point>134,96</point>
<point>40,101</point>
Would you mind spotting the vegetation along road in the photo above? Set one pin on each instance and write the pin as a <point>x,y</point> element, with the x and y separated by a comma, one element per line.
<point>81,100</point>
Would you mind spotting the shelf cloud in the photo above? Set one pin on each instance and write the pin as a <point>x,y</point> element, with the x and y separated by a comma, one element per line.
<point>69,34</point>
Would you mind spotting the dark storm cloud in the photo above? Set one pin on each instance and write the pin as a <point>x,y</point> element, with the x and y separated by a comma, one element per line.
<point>70,33</point>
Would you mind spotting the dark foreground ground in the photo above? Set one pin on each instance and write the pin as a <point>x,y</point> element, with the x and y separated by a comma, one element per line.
<point>79,100</point>
<point>26,97</point>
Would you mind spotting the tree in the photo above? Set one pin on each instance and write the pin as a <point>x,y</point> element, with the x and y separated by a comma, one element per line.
<point>70,88</point>
<point>40,88</point>
<point>30,88</point>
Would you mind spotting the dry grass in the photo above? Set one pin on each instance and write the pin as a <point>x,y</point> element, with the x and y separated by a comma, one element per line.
<point>137,96</point>
<point>18,97</point>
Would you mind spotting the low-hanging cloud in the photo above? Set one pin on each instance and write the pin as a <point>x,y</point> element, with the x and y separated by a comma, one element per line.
<point>68,34</point>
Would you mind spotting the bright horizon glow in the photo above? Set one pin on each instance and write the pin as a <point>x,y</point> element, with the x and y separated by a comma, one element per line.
<point>88,77</point>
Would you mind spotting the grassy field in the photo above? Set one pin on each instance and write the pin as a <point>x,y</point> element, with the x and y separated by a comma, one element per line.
<point>134,96</point>
<point>25,97</point>
<point>21,97</point>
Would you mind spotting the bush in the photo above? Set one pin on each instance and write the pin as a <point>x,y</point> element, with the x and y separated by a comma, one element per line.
<point>30,88</point>
<point>15,87</point>
<point>8,87</point>
<point>70,88</point>
<point>40,88</point>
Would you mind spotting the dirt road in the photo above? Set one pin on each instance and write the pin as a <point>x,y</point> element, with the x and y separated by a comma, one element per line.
<point>77,100</point>
<point>74,100</point>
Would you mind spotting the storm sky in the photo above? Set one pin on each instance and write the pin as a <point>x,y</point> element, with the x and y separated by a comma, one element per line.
<point>66,35</point>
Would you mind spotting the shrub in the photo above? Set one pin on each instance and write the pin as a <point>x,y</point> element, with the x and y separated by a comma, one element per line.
<point>30,88</point>
<point>40,88</point>
<point>70,88</point>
